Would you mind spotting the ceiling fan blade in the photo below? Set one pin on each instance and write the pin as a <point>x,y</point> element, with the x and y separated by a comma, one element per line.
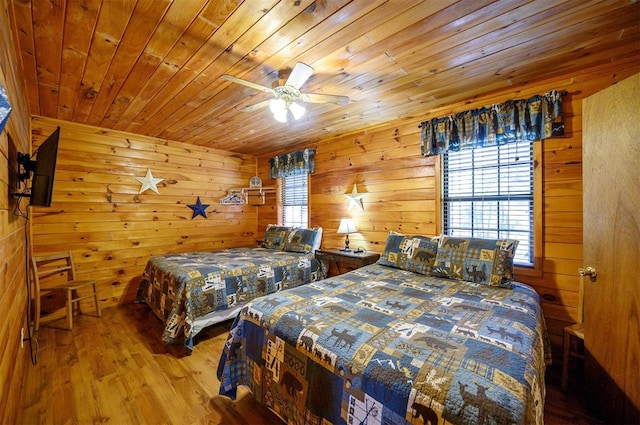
<point>324,98</point>
<point>247,83</point>
<point>256,106</point>
<point>299,75</point>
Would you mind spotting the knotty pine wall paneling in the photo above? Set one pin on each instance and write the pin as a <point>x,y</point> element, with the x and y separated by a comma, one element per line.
<point>403,189</point>
<point>16,137</point>
<point>112,230</point>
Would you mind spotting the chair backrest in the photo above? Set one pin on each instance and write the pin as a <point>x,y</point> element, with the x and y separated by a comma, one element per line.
<point>53,264</point>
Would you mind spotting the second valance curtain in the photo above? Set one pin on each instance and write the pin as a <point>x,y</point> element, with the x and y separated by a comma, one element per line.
<point>293,163</point>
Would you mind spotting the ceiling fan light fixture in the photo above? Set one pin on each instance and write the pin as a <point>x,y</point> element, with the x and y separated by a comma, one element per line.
<point>297,110</point>
<point>287,95</point>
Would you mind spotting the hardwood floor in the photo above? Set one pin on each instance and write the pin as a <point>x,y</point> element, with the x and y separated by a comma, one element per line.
<point>115,370</point>
<point>569,408</point>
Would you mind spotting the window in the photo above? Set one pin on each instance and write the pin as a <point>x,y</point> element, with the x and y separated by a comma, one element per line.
<point>294,200</point>
<point>489,193</point>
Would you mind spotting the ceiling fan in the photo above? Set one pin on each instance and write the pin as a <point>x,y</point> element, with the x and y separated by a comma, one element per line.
<point>286,97</point>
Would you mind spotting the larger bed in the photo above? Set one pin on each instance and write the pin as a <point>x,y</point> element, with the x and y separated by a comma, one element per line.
<point>190,291</point>
<point>395,343</point>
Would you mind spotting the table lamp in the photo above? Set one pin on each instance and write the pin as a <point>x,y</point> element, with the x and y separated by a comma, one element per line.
<point>346,226</point>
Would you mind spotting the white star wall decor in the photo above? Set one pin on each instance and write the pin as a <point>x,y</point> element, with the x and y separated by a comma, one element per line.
<point>148,182</point>
<point>355,198</point>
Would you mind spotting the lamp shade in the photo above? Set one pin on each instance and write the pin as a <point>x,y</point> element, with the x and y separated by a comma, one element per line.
<point>280,116</point>
<point>277,105</point>
<point>297,110</point>
<point>347,226</point>
<point>280,108</point>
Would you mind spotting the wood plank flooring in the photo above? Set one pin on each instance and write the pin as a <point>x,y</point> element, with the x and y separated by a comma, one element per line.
<point>115,370</point>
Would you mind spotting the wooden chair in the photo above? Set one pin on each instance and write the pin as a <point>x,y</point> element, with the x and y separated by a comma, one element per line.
<point>570,344</point>
<point>61,264</point>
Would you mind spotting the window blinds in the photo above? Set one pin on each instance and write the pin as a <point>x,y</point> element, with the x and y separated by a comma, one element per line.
<point>488,193</point>
<point>294,200</point>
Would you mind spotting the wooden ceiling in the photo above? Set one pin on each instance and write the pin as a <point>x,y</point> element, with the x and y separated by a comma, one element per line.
<point>153,67</point>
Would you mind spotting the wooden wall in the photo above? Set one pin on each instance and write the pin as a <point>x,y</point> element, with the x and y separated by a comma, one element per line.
<point>112,230</point>
<point>13,295</point>
<point>402,188</point>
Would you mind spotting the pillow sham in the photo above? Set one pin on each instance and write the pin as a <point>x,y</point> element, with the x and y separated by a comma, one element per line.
<point>301,240</point>
<point>482,261</point>
<point>318,240</point>
<point>410,252</point>
<point>275,236</point>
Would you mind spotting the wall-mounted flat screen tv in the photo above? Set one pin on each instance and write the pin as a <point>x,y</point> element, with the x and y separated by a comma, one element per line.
<point>42,182</point>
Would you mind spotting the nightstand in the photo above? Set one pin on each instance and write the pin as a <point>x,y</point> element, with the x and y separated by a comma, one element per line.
<point>336,262</point>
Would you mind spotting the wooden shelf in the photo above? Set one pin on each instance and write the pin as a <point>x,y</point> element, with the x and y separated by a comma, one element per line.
<point>247,195</point>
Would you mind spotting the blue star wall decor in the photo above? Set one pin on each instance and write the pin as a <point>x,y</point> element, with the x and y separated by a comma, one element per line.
<point>198,209</point>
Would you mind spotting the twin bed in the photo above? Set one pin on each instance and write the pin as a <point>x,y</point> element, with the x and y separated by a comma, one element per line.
<point>435,332</point>
<point>190,291</point>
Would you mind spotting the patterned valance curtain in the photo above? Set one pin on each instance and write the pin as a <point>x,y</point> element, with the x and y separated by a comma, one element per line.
<point>294,163</point>
<point>537,118</point>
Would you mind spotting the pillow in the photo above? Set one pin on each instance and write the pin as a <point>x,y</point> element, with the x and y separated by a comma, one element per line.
<point>301,240</point>
<point>274,236</point>
<point>389,256</point>
<point>483,261</point>
<point>318,241</point>
<point>413,253</point>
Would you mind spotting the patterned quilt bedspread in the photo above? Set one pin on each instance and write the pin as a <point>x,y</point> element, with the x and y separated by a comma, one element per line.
<point>380,345</point>
<point>180,288</point>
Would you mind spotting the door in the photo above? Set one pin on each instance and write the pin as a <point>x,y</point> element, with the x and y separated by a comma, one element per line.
<point>611,226</point>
